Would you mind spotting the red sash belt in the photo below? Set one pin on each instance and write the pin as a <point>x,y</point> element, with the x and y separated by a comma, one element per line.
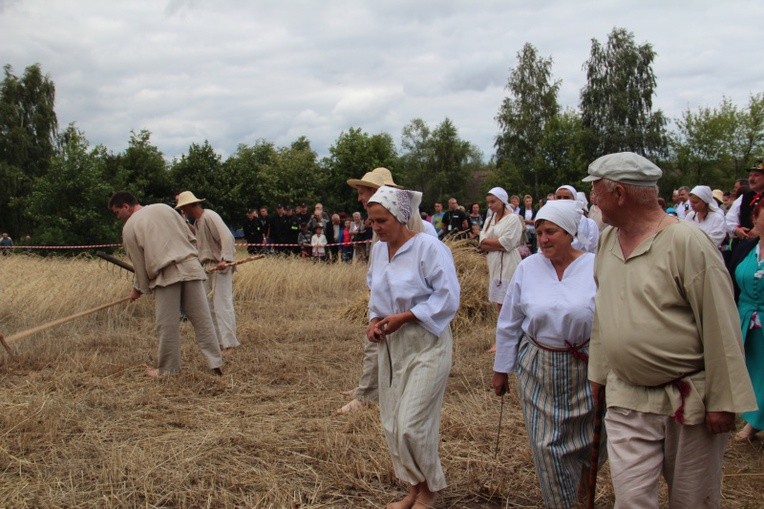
<point>574,350</point>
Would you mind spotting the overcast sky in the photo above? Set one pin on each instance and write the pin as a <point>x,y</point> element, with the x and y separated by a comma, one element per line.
<point>233,72</point>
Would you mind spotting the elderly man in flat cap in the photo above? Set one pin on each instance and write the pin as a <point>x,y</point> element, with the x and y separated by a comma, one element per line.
<point>665,342</point>
<point>216,250</point>
<point>163,251</point>
<point>367,392</point>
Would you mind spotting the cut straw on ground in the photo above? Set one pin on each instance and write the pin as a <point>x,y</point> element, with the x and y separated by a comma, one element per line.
<point>82,426</point>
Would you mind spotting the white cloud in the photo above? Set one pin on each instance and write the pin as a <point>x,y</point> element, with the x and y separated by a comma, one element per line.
<point>234,72</point>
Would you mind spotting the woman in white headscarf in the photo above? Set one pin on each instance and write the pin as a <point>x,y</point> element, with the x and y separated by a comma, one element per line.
<point>588,231</point>
<point>706,214</point>
<point>543,334</point>
<point>501,238</point>
<point>414,297</point>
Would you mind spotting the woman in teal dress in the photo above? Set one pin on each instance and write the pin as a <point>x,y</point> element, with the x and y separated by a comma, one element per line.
<point>747,269</point>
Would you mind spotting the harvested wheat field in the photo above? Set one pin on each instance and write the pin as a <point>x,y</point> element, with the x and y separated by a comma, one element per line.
<point>82,426</point>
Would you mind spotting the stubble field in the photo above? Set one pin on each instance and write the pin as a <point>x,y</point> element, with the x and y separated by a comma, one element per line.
<point>82,426</point>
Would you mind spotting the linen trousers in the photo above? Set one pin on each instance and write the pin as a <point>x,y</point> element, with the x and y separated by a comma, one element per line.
<point>642,445</point>
<point>219,287</point>
<point>168,300</point>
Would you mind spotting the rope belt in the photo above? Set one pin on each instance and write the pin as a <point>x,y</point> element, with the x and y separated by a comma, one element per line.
<point>574,350</point>
<point>684,390</point>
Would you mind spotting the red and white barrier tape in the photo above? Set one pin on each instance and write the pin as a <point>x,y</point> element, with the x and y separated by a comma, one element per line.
<point>94,246</point>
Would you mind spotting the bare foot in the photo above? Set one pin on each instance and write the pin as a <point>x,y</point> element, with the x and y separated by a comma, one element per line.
<point>353,406</point>
<point>492,349</point>
<point>408,501</point>
<point>153,372</point>
<point>227,351</point>
<point>425,499</point>
<point>746,434</point>
<point>349,393</point>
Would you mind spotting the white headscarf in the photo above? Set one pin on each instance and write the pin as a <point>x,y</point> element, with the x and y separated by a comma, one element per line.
<point>564,213</point>
<point>705,194</point>
<point>582,201</point>
<point>569,188</point>
<point>501,194</point>
<point>401,203</point>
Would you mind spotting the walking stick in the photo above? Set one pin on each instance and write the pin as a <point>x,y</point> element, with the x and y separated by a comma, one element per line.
<point>599,410</point>
<point>6,342</point>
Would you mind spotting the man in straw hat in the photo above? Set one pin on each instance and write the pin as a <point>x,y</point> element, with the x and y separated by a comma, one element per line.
<point>665,340</point>
<point>164,256</point>
<point>367,392</point>
<point>216,247</point>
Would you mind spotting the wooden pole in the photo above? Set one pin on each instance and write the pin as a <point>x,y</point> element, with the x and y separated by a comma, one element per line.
<point>599,412</point>
<point>240,262</point>
<point>6,342</point>
<point>115,261</point>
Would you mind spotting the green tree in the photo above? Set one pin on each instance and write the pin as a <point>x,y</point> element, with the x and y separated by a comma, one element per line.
<point>28,128</point>
<point>240,176</point>
<point>353,154</point>
<point>143,170</point>
<point>704,142</point>
<point>199,172</point>
<point>715,146</point>
<point>561,153</point>
<point>68,203</point>
<point>617,101</point>
<point>294,176</point>
<point>749,138</point>
<point>523,118</point>
<point>438,162</point>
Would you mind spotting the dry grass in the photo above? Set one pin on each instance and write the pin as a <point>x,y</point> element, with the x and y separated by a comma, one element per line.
<point>83,427</point>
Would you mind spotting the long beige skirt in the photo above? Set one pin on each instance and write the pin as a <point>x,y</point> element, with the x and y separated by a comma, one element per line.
<point>413,370</point>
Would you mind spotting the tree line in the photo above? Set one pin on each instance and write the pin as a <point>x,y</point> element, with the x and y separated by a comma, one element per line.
<point>54,184</point>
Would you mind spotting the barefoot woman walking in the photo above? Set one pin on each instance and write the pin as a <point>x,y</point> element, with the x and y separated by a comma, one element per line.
<point>414,297</point>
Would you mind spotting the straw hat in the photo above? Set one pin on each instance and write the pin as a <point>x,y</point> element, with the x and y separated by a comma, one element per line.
<point>718,195</point>
<point>187,198</point>
<point>375,179</point>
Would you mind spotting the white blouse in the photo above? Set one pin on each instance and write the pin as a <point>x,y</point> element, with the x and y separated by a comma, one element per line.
<point>714,225</point>
<point>547,309</point>
<point>420,278</point>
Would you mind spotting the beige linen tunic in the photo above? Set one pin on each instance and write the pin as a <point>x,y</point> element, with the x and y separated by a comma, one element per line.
<point>215,240</point>
<point>163,252</point>
<point>161,247</point>
<point>216,244</point>
<point>663,313</point>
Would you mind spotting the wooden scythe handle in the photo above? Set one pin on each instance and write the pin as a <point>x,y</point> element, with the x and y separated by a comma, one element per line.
<point>240,262</point>
<point>25,334</point>
<point>115,260</point>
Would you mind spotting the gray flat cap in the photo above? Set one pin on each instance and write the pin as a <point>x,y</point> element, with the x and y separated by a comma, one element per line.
<point>625,167</point>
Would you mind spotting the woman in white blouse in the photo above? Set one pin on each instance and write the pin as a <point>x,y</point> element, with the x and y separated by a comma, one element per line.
<point>501,237</point>
<point>414,296</point>
<point>706,214</point>
<point>543,334</point>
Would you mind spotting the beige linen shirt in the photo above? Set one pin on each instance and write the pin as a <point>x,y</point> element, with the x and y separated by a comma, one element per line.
<point>214,239</point>
<point>663,313</point>
<point>161,247</point>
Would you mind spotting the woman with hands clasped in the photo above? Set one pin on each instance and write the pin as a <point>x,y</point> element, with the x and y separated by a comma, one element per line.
<point>543,334</point>
<point>414,297</point>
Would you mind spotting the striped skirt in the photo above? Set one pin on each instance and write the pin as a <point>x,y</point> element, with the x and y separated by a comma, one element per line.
<point>558,409</point>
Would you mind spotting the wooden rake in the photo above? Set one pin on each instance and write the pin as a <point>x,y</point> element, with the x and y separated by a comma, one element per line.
<point>8,341</point>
